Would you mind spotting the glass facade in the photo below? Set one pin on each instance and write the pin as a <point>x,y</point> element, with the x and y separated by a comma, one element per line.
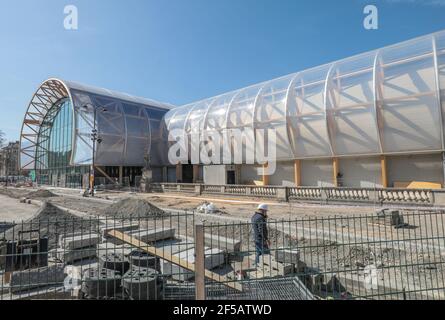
<point>54,148</point>
<point>56,132</point>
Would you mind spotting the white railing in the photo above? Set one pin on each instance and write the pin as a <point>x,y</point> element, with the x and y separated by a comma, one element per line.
<point>318,194</point>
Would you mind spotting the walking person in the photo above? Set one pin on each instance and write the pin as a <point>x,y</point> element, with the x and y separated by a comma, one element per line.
<point>260,232</point>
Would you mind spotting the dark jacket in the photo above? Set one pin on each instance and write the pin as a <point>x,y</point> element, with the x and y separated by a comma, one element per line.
<point>259,228</point>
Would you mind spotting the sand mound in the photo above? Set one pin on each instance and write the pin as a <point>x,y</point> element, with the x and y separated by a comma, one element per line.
<point>41,193</point>
<point>50,222</point>
<point>134,208</point>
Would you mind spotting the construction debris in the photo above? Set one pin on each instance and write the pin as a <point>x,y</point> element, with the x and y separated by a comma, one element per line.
<point>38,277</point>
<point>50,222</point>
<point>41,193</point>
<point>209,208</point>
<point>390,217</point>
<point>134,208</point>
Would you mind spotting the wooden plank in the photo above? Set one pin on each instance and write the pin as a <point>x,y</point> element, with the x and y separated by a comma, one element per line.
<point>384,172</point>
<point>297,173</point>
<point>199,261</point>
<point>159,252</point>
<point>335,168</point>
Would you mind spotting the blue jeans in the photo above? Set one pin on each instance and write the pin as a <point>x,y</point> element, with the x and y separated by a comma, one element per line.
<point>260,249</point>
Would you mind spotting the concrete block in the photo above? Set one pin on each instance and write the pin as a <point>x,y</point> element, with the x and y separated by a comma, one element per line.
<point>213,258</point>
<point>153,235</point>
<point>70,256</point>
<point>109,247</point>
<point>282,269</point>
<point>122,227</point>
<point>223,243</point>
<point>287,255</point>
<point>35,278</point>
<point>79,241</point>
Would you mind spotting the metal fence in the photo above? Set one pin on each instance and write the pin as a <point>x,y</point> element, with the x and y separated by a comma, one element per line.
<point>183,255</point>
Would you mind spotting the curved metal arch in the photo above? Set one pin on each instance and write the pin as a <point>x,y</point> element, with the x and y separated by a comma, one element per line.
<point>438,95</point>
<point>289,96</point>
<point>325,102</point>
<point>256,104</point>
<point>229,108</point>
<point>375,83</point>
<point>150,137</point>
<point>47,94</point>
<point>206,115</point>
<point>124,118</point>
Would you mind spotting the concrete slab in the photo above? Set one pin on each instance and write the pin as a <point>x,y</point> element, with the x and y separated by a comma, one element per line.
<point>152,235</point>
<point>34,278</point>
<point>70,256</point>
<point>122,227</point>
<point>213,257</point>
<point>287,255</point>
<point>79,241</point>
<point>281,269</point>
<point>223,243</point>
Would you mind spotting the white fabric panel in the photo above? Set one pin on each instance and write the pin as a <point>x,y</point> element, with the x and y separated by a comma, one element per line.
<point>318,173</point>
<point>426,168</point>
<point>361,172</point>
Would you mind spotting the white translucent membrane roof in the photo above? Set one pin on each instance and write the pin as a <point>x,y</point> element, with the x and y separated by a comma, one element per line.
<point>128,126</point>
<point>386,101</point>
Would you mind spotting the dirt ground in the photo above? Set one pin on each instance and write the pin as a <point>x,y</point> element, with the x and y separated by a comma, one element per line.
<point>414,266</point>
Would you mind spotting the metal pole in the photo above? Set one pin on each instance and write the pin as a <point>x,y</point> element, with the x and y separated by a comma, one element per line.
<point>199,262</point>
<point>92,173</point>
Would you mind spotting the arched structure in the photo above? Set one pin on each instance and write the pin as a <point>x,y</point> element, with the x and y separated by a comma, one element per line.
<point>383,102</point>
<point>57,127</point>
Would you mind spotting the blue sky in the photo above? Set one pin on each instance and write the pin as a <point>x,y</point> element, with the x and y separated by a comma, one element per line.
<point>179,51</point>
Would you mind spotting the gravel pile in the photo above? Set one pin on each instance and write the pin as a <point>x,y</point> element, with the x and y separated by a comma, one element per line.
<point>134,208</point>
<point>50,222</point>
<point>41,193</point>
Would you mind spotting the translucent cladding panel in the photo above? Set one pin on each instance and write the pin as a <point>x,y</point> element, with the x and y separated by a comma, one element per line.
<point>180,117</point>
<point>84,123</point>
<point>350,106</point>
<point>241,117</point>
<point>271,115</point>
<point>215,125</point>
<point>439,39</point>
<point>168,116</point>
<point>110,151</point>
<point>137,149</point>
<point>110,120</point>
<point>138,137</point>
<point>408,99</point>
<point>177,132</point>
<point>194,128</point>
<point>217,113</point>
<point>195,120</point>
<point>158,149</point>
<point>241,110</point>
<point>306,114</point>
<point>440,45</point>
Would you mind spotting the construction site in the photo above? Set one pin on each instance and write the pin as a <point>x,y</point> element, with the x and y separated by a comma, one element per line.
<point>58,244</point>
<point>324,184</point>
